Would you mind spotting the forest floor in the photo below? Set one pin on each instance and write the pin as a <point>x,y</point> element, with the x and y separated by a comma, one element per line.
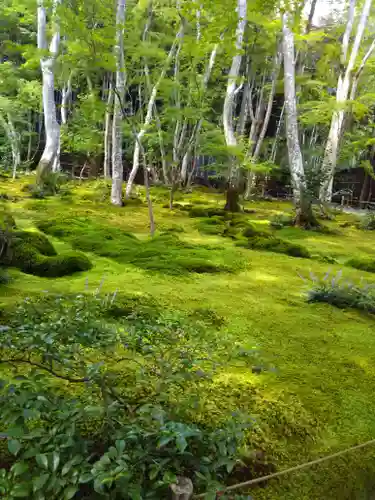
<point>315,395</point>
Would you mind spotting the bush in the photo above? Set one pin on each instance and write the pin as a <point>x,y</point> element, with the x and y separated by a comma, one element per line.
<point>50,185</point>
<point>342,293</point>
<point>368,223</point>
<point>115,438</point>
<point>364,264</point>
<point>165,253</point>
<point>279,221</point>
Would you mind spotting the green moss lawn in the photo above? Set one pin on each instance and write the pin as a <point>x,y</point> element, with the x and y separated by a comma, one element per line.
<point>316,394</point>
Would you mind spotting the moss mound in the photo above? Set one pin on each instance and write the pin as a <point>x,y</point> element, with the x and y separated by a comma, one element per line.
<point>30,260</point>
<point>259,240</point>
<point>37,240</point>
<point>165,253</point>
<point>33,253</point>
<point>364,264</point>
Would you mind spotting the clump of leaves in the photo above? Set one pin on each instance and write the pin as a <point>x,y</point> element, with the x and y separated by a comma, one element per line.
<point>141,438</point>
<point>337,291</point>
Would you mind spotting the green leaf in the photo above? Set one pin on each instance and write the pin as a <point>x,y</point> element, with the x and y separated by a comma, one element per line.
<point>85,478</point>
<point>164,440</point>
<point>66,468</point>
<point>55,460</point>
<point>120,445</point>
<point>14,446</point>
<point>42,461</point>
<point>20,491</point>
<point>19,468</point>
<point>69,492</point>
<point>39,482</point>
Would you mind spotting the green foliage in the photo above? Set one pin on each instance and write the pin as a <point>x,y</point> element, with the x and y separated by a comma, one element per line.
<point>51,184</point>
<point>35,239</point>
<point>33,253</point>
<point>368,223</point>
<point>364,264</point>
<point>142,436</point>
<point>279,221</point>
<point>342,293</point>
<point>165,253</point>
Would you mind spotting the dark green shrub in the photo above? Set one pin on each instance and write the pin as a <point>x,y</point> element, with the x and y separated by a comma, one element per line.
<point>37,240</point>
<point>279,221</point>
<point>364,264</point>
<point>342,293</point>
<point>369,222</point>
<point>252,231</point>
<point>198,212</point>
<point>272,244</point>
<point>130,431</point>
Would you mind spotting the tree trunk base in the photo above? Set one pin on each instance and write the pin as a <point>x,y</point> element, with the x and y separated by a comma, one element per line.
<point>306,219</point>
<point>233,200</point>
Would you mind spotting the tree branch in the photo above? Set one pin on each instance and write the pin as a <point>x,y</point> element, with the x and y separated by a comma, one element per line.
<point>45,368</point>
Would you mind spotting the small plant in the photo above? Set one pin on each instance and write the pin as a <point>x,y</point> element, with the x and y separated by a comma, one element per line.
<point>279,221</point>
<point>342,293</point>
<point>368,223</point>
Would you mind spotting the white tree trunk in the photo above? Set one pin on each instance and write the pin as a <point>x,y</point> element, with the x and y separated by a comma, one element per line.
<point>50,157</point>
<point>229,102</point>
<point>117,166</point>
<point>343,86</point>
<point>147,121</point>
<point>13,138</point>
<point>107,134</point>
<point>294,150</point>
<point>65,99</point>
<point>228,109</point>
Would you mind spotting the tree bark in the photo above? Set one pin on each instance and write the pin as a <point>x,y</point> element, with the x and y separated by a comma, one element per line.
<point>107,133</point>
<point>304,215</point>
<point>13,138</point>
<point>343,86</point>
<point>50,157</point>
<point>228,109</point>
<point>117,166</point>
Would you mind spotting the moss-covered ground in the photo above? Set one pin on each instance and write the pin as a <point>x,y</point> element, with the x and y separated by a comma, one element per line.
<point>318,396</point>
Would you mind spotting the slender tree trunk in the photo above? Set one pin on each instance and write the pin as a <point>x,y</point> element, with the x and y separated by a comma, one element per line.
<point>277,135</point>
<point>66,98</point>
<point>148,197</point>
<point>107,133</point>
<point>117,166</point>
<point>50,157</point>
<point>232,202</point>
<point>343,86</point>
<point>304,216</point>
<point>162,148</point>
<point>30,141</point>
<point>10,131</point>
<point>147,121</point>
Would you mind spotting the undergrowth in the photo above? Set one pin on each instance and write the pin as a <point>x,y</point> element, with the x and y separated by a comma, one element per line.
<point>342,293</point>
<point>94,407</point>
<point>164,253</point>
